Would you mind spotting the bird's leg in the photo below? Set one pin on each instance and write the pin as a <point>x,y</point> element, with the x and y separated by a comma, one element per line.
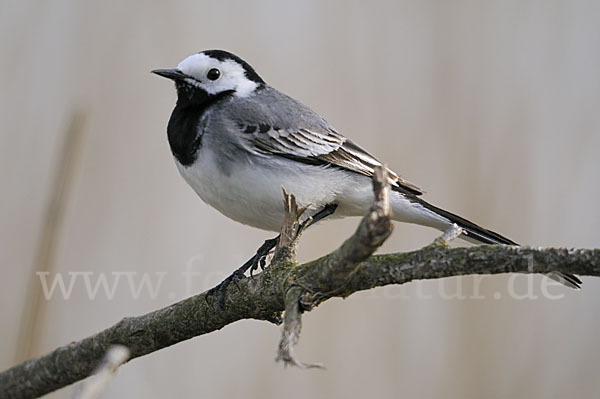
<point>261,254</point>
<point>252,264</point>
<point>259,258</point>
<point>327,210</point>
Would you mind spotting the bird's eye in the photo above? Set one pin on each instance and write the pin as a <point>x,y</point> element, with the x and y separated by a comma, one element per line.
<point>213,74</point>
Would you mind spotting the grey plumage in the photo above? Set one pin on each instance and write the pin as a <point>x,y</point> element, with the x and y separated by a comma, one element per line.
<point>276,124</point>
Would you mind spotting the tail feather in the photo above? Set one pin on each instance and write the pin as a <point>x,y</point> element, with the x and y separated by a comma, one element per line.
<point>485,236</point>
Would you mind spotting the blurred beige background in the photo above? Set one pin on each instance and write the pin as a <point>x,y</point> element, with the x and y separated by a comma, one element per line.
<point>491,106</point>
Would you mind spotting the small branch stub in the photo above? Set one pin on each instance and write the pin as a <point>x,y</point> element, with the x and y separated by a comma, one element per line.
<point>374,229</point>
<point>292,227</point>
<point>379,222</point>
<point>292,324</point>
<point>104,373</point>
<point>451,234</point>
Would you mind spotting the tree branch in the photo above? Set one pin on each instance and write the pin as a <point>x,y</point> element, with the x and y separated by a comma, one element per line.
<point>285,285</point>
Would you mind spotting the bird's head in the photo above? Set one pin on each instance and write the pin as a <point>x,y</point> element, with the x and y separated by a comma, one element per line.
<point>212,73</point>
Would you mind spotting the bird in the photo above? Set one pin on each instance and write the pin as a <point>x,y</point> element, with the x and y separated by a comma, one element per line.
<point>237,142</point>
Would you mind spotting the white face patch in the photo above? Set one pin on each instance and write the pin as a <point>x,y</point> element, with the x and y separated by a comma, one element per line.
<point>232,77</point>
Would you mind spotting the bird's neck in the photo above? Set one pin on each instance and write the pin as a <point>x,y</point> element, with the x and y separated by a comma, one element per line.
<point>184,131</point>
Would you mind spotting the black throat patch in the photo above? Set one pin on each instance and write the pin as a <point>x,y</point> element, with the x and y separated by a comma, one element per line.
<point>183,132</point>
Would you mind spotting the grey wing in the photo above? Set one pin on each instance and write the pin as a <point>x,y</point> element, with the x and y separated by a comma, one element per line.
<point>323,148</point>
<point>281,126</point>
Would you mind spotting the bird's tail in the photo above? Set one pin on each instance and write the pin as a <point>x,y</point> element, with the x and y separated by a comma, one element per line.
<point>478,234</point>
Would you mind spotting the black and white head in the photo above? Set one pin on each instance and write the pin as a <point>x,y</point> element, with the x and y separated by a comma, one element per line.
<point>211,73</point>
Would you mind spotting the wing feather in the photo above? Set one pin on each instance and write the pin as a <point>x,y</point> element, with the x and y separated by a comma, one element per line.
<point>321,147</point>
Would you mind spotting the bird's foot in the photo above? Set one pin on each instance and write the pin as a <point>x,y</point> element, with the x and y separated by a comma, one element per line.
<point>258,260</point>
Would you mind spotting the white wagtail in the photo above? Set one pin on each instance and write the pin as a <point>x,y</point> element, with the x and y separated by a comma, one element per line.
<point>237,141</point>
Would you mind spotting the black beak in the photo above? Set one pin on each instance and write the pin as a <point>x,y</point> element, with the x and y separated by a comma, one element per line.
<point>173,74</point>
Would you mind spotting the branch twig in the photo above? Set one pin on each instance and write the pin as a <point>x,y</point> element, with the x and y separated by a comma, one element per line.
<point>349,269</point>
<point>93,388</point>
<point>337,268</point>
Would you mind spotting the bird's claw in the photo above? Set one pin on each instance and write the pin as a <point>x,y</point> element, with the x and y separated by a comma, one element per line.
<point>258,260</point>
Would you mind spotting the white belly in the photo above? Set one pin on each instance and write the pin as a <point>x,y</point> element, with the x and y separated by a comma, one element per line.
<point>252,193</point>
